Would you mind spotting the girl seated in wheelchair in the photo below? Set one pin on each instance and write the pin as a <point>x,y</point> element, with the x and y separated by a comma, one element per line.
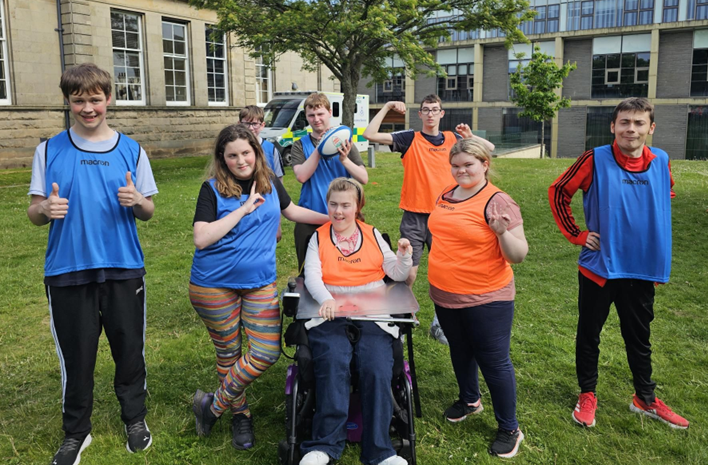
<point>347,255</point>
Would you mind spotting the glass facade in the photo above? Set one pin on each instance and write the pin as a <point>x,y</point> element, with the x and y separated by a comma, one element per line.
<point>620,75</point>
<point>697,136</point>
<point>597,127</point>
<point>699,73</point>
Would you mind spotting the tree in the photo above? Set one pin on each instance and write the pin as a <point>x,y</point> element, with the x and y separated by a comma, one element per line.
<point>353,38</point>
<point>535,85</point>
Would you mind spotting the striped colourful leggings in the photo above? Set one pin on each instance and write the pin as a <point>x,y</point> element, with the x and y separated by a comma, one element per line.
<point>223,312</point>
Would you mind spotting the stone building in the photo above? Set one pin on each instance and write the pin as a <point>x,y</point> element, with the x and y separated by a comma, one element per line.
<point>175,85</point>
<point>644,48</point>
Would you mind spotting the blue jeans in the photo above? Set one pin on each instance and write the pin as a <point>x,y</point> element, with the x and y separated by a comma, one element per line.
<point>332,353</point>
<point>479,337</point>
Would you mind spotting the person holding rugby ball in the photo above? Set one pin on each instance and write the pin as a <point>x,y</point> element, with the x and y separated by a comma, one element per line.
<point>232,284</point>
<point>367,259</point>
<point>477,231</point>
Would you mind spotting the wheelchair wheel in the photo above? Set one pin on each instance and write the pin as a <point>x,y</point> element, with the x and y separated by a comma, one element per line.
<point>404,444</point>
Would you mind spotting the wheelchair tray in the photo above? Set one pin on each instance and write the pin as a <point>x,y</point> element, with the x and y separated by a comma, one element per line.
<point>393,302</point>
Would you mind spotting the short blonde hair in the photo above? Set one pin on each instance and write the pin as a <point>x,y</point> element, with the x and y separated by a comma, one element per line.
<point>475,148</point>
<point>349,184</point>
<point>316,100</point>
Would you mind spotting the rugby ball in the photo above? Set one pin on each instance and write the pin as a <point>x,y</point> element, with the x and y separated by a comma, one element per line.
<point>332,140</point>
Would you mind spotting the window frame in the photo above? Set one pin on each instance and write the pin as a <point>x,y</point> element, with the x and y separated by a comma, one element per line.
<point>260,63</point>
<point>173,56</point>
<point>224,59</point>
<point>5,59</point>
<point>141,61</point>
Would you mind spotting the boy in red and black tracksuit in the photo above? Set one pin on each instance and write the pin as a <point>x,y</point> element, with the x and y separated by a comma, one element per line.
<point>627,191</point>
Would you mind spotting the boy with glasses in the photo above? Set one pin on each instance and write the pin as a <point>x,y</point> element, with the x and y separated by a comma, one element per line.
<point>253,117</point>
<point>426,172</point>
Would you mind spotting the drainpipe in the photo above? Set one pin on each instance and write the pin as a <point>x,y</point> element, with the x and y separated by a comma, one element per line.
<point>60,31</point>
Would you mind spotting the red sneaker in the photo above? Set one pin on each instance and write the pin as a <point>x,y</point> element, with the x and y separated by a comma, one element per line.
<point>584,413</point>
<point>658,411</point>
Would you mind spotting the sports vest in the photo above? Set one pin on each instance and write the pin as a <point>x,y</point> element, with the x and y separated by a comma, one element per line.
<point>314,191</point>
<point>269,152</point>
<point>245,257</point>
<point>466,257</point>
<point>97,232</point>
<point>426,173</point>
<point>361,267</point>
<point>632,213</point>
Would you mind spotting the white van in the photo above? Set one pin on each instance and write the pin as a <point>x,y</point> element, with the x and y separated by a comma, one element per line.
<point>285,120</point>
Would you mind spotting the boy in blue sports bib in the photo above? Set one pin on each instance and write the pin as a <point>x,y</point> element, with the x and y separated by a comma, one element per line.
<point>90,183</point>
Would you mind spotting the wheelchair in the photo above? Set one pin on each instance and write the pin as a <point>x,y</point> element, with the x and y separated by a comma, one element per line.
<point>300,383</point>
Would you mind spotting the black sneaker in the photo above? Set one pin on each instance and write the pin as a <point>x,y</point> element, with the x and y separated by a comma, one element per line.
<point>139,437</point>
<point>70,451</point>
<point>460,409</point>
<point>201,406</point>
<point>506,445</point>
<point>242,432</point>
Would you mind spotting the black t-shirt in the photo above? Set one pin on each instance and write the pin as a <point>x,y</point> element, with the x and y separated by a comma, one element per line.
<point>402,140</point>
<point>206,203</point>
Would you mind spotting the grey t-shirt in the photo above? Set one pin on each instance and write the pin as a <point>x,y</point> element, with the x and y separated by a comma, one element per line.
<point>298,154</point>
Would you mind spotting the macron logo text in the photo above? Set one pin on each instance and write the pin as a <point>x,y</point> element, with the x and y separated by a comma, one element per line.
<point>95,162</point>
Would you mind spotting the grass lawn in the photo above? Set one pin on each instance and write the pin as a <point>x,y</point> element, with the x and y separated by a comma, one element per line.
<point>180,355</point>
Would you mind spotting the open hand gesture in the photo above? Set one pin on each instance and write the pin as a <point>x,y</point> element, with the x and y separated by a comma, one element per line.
<point>498,221</point>
<point>55,207</point>
<point>328,309</point>
<point>129,196</point>
<point>254,201</point>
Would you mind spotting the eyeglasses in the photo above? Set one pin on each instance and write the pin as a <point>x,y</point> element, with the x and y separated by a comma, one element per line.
<point>251,125</point>
<point>427,111</point>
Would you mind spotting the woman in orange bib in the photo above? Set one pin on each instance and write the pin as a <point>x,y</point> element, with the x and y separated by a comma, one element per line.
<point>347,255</point>
<point>477,231</point>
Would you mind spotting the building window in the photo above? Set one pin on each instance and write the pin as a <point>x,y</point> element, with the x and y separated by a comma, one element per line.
<point>597,128</point>
<point>638,12</point>
<point>546,20</point>
<point>670,13</point>
<point>176,58</point>
<point>264,81</point>
<point>128,74</point>
<point>458,63</point>
<point>697,133</point>
<point>699,74</point>
<point>513,66</point>
<point>216,66</point>
<point>586,13</point>
<point>701,9</point>
<point>394,86</point>
<point>4,72</point>
<point>620,75</point>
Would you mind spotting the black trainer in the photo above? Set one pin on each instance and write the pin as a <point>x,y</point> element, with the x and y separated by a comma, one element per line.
<point>460,409</point>
<point>139,437</point>
<point>70,451</point>
<point>506,445</point>
<point>201,406</point>
<point>242,432</point>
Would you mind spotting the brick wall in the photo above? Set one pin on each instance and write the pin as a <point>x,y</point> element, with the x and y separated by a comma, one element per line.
<point>675,60</point>
<point>670,133</point>
<point>496,74</point>
<point>578,83</point>
<point>571,132</point>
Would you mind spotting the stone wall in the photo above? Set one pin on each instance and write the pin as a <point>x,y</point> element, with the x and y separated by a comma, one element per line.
<point>163,132</point>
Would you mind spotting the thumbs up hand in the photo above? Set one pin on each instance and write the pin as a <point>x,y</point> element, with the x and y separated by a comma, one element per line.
<point>128,196</point>
<point>55,207</point>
